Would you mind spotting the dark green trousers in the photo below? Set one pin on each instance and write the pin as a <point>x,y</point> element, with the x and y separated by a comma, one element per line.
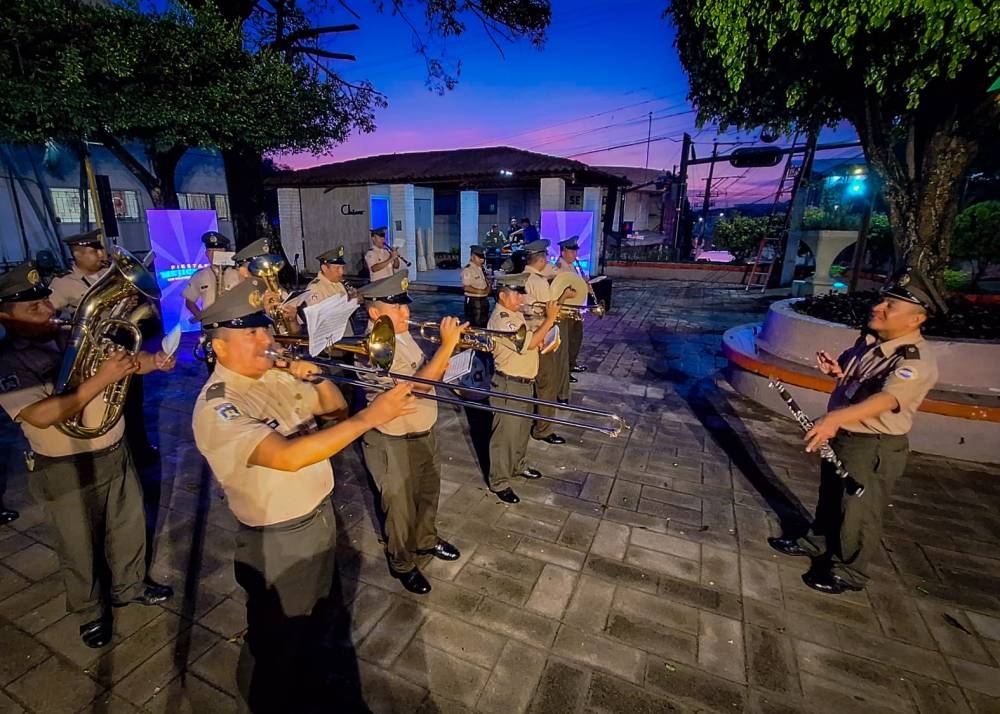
<point>509,435</point>
<point>571,332</point>
<point>852,526</point>
<point>406,472</point>
<point>287,571</point>
<point>94,504</point>
<point>551,380</point>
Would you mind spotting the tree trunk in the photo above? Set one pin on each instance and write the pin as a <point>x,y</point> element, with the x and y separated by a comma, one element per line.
<point>246,193</point>
<point>165,168</point>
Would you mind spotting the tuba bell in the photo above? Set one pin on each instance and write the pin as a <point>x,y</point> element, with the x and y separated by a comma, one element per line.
<point>267,267</point>
<point>106,317</point>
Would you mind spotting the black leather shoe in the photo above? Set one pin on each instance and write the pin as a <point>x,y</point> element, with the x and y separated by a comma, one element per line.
<point>413,580</point>
<point>787,546</point>
<point>507,496</point>
<point>154,594</point>
<point>573,380</point>
<point>8,516</point>
<point>96,633</point>
<point>829,583</point>
<point>550,439</point>
<point>443,550</point>
<point>563,401</point>
<point>578,368</point>
<point>531,473</point>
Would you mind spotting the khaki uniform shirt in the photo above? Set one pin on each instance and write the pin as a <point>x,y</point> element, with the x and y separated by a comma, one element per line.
<point>204,284</point>
<point>28,371</point>
<point>564,266</point>
<point>904,367</point>
<point>538,290</point>
<point>474,281</point>
<point>68,290</point>
<point>377,255</point>
<point>232,415</point>
<point>507,359</point>
<point>408,359</point>
<point>320,289</point>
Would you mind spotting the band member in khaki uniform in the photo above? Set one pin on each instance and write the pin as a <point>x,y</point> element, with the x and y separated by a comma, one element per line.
<point>568,252</point>
<point>881,382</point>
<point>89,264</point>
<point>257,249</point>
<point>401,454</point>
<point>477,288</point>
<point>207,284</point>
<point>515,374</point>
<point>381,261</point>
<point>88,487</point>
<point>256,427</point>
<point>553,368</point>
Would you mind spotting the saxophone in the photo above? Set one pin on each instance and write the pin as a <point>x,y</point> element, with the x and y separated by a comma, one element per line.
<point>266,267</point>
<point>107,310</point>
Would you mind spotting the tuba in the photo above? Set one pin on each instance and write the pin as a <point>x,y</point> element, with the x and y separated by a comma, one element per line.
<point>267,267</point>
<point>106,311</point>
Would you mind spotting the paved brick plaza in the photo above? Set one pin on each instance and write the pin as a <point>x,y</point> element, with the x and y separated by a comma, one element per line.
<point>634,577</point>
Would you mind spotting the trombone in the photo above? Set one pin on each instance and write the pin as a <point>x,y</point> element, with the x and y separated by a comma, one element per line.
<point>568,312</point>
<point>473,338</point>
<point>378,345</point>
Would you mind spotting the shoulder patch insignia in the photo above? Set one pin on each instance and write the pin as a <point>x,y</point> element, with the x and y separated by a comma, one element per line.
<point>227,411</point>
<point>216,391</point>
<point>906,373</point>
<point>504,314</point>
<point>9,382</point>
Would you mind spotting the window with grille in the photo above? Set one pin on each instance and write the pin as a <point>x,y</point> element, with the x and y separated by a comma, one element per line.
<point>66,202</point>
<point>126,205</point>
<point>194,201</point>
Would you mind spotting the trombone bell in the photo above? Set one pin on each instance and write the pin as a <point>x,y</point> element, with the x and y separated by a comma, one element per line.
<point>379,345</point>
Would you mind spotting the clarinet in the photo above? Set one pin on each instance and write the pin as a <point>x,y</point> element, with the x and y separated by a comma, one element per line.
<point>852,487</point>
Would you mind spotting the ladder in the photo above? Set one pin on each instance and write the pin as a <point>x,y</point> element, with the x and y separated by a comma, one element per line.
<point>770,249</point>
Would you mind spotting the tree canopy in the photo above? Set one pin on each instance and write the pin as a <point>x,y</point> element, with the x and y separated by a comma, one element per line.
<point>911,77</point>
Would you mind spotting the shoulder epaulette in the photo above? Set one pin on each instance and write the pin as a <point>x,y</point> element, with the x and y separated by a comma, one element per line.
<point>908,351</point>
<point>216,391</point>
<point>504,314</point>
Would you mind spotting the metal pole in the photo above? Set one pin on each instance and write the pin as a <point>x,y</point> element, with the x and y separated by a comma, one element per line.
<point>681,193</point>
<point>708,191</point>
<point>649,137</point>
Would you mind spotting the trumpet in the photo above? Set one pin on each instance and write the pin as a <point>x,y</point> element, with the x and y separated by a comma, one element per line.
<point>568,312</point>
<point>379,345</point>
<point>614,428</point>
<point>473,338</point>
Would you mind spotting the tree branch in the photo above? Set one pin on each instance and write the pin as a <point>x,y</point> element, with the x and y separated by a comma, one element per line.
<point>299,49</point>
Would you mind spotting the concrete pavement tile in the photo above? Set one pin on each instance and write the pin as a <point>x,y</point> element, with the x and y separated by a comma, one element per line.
<point>720,569</point>
<point>933,697</point>
<point>163,667</point>
<point>511,686</point>
<point>34,562</point>
<point>690,684</point>
<point>663,543</point>
<point>190,695</point>
<point>611,540</point>
<point>540,512</point>
<point>441,673</point>
<point>971,675</point>
<point>621,573</point>
<point>898,614</point>
<point>550,553</point>
<point>720,646</point>
<point>644,635</point>
<point>385,692</point>
<point>512,521</point>
<point>597,488</point>
<point>771,661</point>
<point>639,520</point>
<point>562,689</point>
<point>462,640</point>
<point>986,626</point>
<point>589,606</point>
<point>854,672</point>
<point>392,633</point>
<point>579,532</point>
<point>218,666</point>
<point>760,580</point>
<point>600,652</point>
<point>54,686</point>
<point>487,535</point>
<point>9,706</point>
<point>669,512</point>
<point>369,604</point>
<point>981,703</point>
<point>226,619</point>
<point>125,655</point>
<point>510,564</point>
<point>22,603</point>
<point>493,584</point>
<point>447,598</point>
<point>674,498</point>
<point>836,697</point>
<point>12,541</point>
<point>609,695</point>
<point>516,622</point>
<point>63,637</point>
<point>19,654</point>
<point>911,658</point>
<point>552,591</point>
<point>699,596</point>
<point>625,495</point>
<point>663,563</point>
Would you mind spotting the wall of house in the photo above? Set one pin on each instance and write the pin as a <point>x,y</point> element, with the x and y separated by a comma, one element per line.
<point>333,218</point>
<point>32,222</point>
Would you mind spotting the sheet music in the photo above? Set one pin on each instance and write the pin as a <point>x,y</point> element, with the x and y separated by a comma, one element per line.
<point>551,337</point>
<point>326,321</point>
<point>171,341</point>
<point>459,365</point>
<point>597,279</point>
<point>223,257</point>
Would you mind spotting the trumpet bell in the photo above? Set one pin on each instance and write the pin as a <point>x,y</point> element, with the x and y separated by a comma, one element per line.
<point>379,345</point>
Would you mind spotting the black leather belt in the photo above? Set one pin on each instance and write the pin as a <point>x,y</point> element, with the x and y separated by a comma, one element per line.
<point>407,437</point>
<point>477,297</point>
<point>43,459</point>
<point>522,380</point>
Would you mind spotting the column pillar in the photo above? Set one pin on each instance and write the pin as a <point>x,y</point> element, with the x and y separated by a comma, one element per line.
<point>468,217</point>
<point>552,194</point>
<point>403,224</point>
<point>290,223</point>
<point>592,204</point>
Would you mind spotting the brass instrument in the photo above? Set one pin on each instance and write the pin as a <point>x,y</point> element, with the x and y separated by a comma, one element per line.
<point>106,310</point>
<point>266,267</point>
<point>616,423</point>
<point>379,345</point>
<point>473,338</point>
<point>567,312</point>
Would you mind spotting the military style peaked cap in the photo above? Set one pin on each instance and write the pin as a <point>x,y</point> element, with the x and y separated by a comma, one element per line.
<point>478,250</point>
<point>913,286</point>
<point>380,231</point>
<point>334,256</point>
<point>537,246</point>
<point>241,307</point>
<point>391,290</point>
<point>513,282</point>
<point>257,248</point>
<point>214,239</point>
<point>571,243</point>
<point>92,239</point>
<point>22,283</point>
